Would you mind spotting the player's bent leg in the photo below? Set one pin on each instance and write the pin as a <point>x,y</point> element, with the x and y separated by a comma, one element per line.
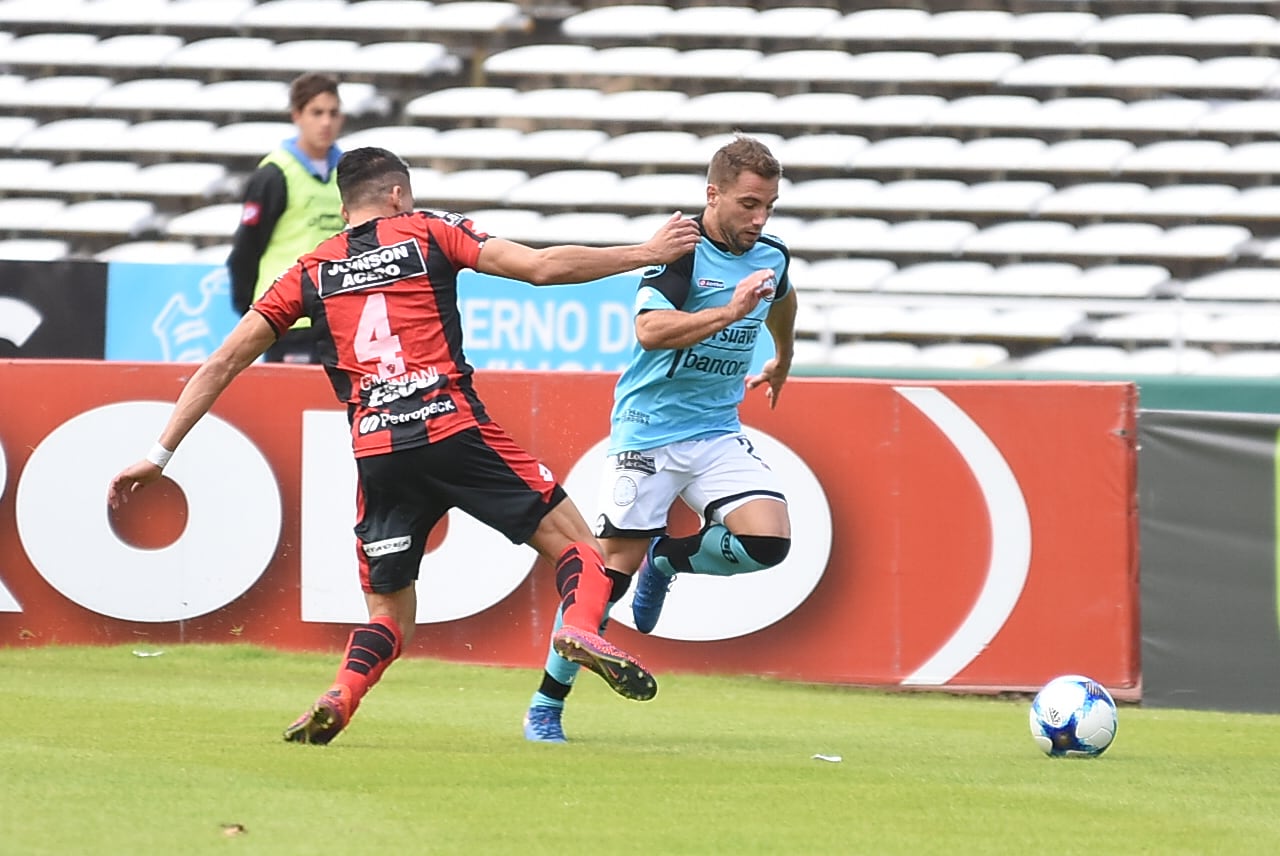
<point>719,552</point>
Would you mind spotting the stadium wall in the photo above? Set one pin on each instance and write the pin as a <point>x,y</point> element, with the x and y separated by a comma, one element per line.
<point>948,534</point>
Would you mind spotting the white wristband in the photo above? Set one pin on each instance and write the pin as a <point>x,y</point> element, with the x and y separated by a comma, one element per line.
<point>159,455</point>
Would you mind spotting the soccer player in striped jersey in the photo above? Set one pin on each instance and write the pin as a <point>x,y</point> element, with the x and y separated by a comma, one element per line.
<point>382,298</point>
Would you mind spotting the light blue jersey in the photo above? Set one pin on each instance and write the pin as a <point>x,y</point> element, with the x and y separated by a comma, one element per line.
<point>665,396</point>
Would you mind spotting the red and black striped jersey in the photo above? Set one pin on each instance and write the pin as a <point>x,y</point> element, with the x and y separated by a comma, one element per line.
<point>383,300</point>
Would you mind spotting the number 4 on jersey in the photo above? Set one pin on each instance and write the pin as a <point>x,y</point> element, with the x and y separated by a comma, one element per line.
<point>375,343</point>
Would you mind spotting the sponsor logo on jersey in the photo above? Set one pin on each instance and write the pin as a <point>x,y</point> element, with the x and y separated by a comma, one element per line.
<point>636,462</point>
<point>650,273</point>
<point>705,282</point>
<point>384,548</point>
<point>383,266</point>
<point>250,213</point>
<point>738,335</point>
<point>383,392</point>
<point>714,365</point>
<point>429,410</point>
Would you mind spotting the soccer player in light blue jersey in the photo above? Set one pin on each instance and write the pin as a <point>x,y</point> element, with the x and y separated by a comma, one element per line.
<point>675,426</point>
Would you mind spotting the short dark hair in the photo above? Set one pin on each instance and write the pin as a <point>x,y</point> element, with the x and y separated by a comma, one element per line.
<point>366,173</point>
<point>307,86</point>
<point>743,154</point>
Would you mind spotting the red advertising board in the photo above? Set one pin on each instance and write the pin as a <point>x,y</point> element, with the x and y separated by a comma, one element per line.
<point>964,534</point>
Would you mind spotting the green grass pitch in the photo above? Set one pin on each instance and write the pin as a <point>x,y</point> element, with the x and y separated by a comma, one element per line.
<point>106,752</point>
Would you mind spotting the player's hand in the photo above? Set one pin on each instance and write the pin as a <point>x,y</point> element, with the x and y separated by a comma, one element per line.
<point>750,291</point>
<point>131,478</point>
<point>677,237</point>
<point>773,374</point>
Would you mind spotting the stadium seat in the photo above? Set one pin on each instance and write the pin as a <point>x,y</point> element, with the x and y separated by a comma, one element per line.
<point>995,154</point>
<point>211,221</point>
<point>417,59</point>
<point>881,25</point>
<point>58,92</point>
<point>24,174</point>
<point>105,178</point>
<point>1165,360</point>
<point>668,191</point>
<point>1187,201</point>
<point>1019,238</point>
<point>481,102</point>
<point>478,17</point>
<point>182,179</point>
<point>1094,199</point>
<point>829,152</point>
<point>1236,283</point>
<point>219,53</point>
<point>1240,117</point>
<point>1157,325</point>
<point>29,213</point>
<point>836,235</point>
<point>1245,363</point>
<point>72,135</point>
<point>632,22</point>
<point>468,187</point>
<point>873,354</point>
<point>1033,279</point>
<point>950,277</point>
<point>561,188</point>
<point>408,141</point>
<point>34,249</point>
<point>1159,115</point>
<point>157,252</point>
<point>999,199</point>
<point>961,355</point>
<point>812,109</point>
<point>1122,280</point>
<point>846,275</point>
<point>40,50</point>
<point>164,136</point>
<point>295,14</point>
<point>906,153</point>
<point>1077,359</point>
<point>555,103</point>
<point>733,108</point>
<point>106,217</point>
<point>915,195</point>
<point>162,94</point>
<point>925,237</point>
<point>830,195</point>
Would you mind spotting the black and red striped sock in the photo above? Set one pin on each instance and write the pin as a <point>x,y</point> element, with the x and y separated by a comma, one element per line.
<point>584,588</point>
<point>370,649</point>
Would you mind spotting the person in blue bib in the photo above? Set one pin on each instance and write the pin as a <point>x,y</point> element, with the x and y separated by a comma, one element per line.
<point>675,428</point>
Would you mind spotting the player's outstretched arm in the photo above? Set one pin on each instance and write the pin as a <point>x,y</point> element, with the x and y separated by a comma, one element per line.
<point>669,329</point>
<point>247,341</point>
<point>571,263</point>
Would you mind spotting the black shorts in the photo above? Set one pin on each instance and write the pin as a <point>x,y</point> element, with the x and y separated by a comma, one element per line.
<point>403,494</point>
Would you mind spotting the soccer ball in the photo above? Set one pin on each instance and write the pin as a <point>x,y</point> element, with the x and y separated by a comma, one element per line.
<point>1073,715</point>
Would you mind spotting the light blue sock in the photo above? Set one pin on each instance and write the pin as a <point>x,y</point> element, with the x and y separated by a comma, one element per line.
<point>715,551</point>
<point>560,668</point>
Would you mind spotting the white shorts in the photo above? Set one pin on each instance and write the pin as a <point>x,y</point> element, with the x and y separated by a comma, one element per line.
<point>713,477</point>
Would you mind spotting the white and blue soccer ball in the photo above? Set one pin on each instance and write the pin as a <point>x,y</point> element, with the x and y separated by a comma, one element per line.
<point>1073,715</point>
